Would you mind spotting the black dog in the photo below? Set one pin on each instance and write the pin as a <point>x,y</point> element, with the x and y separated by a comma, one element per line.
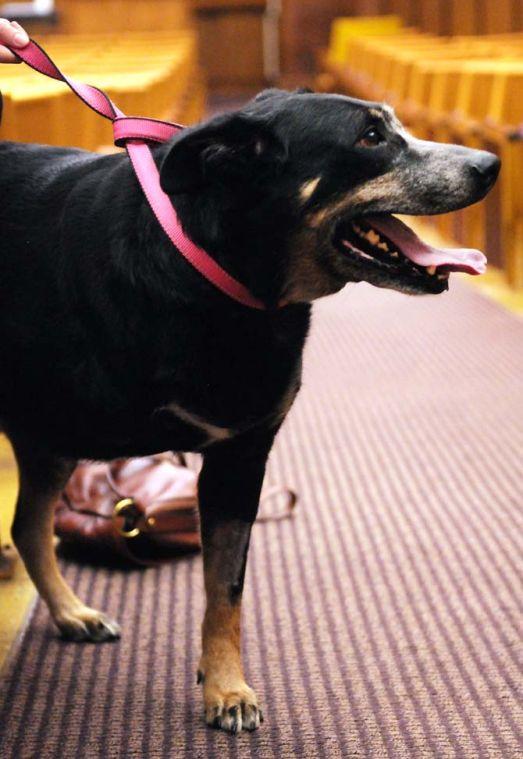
<point>112,345</point>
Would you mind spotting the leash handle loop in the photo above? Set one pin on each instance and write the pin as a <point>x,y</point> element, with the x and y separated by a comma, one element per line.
<point>134,133</point>
<point>36,57</point>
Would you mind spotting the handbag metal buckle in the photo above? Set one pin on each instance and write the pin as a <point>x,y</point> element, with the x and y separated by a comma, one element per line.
<point>126,510</point>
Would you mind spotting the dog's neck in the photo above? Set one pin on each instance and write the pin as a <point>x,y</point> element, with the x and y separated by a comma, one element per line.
<point>227,233</point>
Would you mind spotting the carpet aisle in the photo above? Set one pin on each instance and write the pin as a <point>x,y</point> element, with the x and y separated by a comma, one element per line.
<point>385,619</point>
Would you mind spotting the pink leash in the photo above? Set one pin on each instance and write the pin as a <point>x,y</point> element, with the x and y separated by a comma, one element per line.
<point>135,134</point>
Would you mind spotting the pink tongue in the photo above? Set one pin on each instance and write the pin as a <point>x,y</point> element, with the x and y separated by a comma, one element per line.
<point>453,259</point>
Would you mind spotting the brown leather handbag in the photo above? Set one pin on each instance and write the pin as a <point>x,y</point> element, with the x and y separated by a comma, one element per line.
<point>142,510</point>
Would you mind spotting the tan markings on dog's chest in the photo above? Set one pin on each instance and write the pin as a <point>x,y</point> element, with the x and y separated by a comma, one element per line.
<point>214,432</point>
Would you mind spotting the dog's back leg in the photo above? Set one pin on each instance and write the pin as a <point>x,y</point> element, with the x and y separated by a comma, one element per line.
<point>42,479</point>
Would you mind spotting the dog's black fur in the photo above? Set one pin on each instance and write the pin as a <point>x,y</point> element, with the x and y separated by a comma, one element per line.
<point>103,324</point>
<point>112,345</point>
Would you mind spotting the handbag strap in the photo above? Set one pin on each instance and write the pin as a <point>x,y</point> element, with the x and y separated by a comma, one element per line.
<point>136,134</point>
<point>272,493</point>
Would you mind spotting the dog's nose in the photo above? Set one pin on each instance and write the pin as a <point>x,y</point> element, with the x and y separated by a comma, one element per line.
<point>486,166</point>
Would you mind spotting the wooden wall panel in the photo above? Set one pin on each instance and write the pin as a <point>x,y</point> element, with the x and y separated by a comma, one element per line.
<point>305,26</point>
<point>231,46</point>
<point>497,16</point>
<point>517,15</point>
<point>367,7</point>
<point>408,10</point>
<point>437,16</point>
<point>464,17</point>
<point>91,16</point>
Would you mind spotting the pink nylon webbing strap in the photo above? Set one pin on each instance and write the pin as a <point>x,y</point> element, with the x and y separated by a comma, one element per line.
<point>135,134</point>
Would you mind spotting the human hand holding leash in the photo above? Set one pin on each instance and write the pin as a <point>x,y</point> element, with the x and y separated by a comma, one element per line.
<point>11,33</point>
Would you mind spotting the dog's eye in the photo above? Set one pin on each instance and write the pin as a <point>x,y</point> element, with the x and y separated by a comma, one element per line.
<point>370,139</point>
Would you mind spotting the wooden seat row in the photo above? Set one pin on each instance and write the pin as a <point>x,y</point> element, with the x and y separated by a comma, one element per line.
<point>463,90</point>
<point>146,74</point>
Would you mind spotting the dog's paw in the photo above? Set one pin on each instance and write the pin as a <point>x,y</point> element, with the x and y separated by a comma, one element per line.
<point>232,710</point>
<point>87,625</point>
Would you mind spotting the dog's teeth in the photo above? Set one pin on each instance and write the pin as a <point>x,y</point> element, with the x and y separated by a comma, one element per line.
<point>372,237</point>
<point>395,254</point>
<point>431,270</point>
<point>443,276</point>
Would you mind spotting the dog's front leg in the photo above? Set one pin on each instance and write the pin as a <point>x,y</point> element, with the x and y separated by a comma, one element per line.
<point>229,492</point>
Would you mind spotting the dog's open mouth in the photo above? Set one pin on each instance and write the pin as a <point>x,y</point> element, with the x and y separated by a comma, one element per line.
<point>387,243</point>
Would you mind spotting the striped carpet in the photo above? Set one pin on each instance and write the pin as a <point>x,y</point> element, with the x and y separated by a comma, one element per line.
<point>385,619</point>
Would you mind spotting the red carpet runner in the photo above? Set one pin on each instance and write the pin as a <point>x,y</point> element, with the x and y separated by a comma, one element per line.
<point>385,619</point>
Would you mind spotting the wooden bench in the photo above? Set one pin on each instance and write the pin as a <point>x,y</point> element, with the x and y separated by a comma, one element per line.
<point>151,74</point>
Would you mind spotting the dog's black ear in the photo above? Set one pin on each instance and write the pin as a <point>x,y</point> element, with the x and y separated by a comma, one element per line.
<point>229,149</point>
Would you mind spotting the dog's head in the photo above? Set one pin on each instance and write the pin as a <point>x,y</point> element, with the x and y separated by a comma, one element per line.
<point>294,193</point>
